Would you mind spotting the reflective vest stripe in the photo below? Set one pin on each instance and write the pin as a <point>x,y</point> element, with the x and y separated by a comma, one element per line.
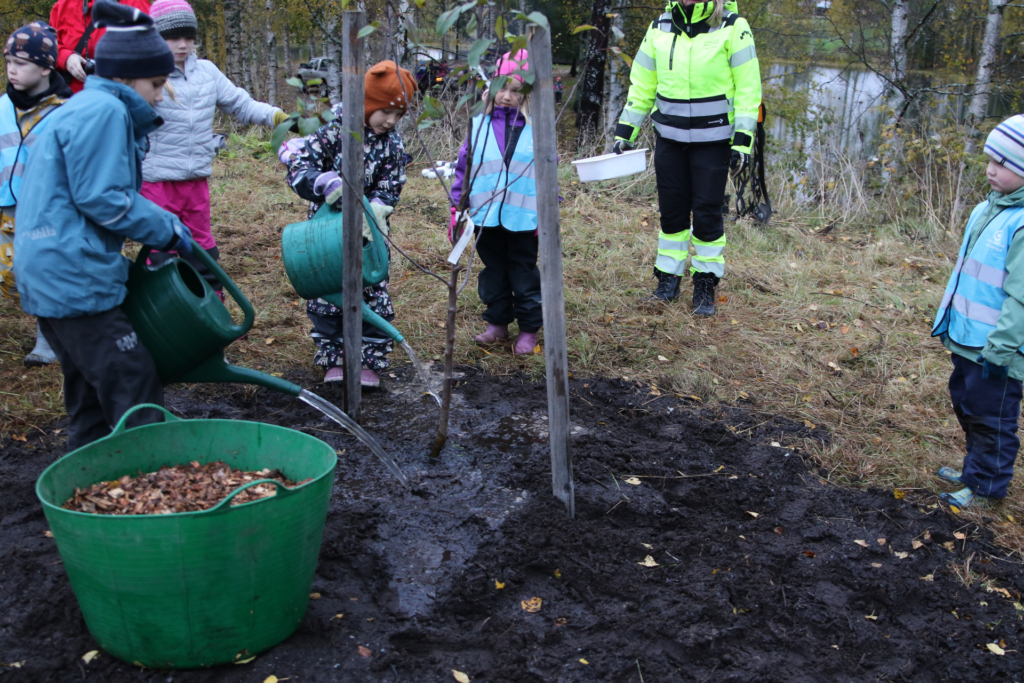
<point>698,135</point>
<point>743,56</point>
<point>691,108</point>
<point>975,311</point>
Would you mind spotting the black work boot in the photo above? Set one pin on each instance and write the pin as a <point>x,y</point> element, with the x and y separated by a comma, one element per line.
<point>667,289</point>
<point>704,293</point>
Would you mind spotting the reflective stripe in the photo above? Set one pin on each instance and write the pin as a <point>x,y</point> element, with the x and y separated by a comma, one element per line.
<point>632,117</point>
<point>689,109</point>
<point>19,170</point>
<point>987,274</point>
<point>521,169</point>
<point>699,135</point>
<point>745,123</point>
<point>484,198</point>
<point>946,297</point>
<point>487,168</point>
<point>706,252</point>
<point>975,311</point>
<point>508,198</point>
<point>10,140</point>
<point>665,22</point>
<point>714,267</point>
<point>742,57</point>
<point>645,60</point>
<point>521,200</point>
<point>672,266</point>
<point>667,245</point>
<point>516,169</point>
<point>128,200</point>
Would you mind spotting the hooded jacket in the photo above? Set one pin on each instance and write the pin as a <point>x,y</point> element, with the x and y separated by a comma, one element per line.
<point>80,200</point>
<point>700,83</point>
<point>183,147</point>
<point>1000,213</point>
<point>69,18</point>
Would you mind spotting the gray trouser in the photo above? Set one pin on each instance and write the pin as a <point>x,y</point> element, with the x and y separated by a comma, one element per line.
<point>106,372</point>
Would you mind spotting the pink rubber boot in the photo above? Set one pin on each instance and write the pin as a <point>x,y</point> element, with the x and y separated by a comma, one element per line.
<point>369,379</point>
<point>335,374</point>
<point>493,334</point>
<point>525,344</point>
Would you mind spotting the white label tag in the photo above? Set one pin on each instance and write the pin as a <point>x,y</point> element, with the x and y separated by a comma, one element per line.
<point>460,246</point>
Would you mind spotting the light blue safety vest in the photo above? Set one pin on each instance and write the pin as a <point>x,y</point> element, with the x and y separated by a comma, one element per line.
<point>14,150</point>
<point>974,296</point>
<point>490,203</point>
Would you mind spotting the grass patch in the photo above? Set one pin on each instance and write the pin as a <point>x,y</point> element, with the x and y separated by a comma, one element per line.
<point>821,319</point>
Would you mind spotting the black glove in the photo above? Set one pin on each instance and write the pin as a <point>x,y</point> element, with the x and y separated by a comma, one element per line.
<point>621,146</point>
<point>738,162</point>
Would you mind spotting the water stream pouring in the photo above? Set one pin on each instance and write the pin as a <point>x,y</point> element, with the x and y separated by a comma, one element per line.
<point>314,262</point>
<point>185,326</point>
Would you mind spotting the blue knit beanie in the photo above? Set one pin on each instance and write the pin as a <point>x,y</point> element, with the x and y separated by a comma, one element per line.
<point>1005,144</point>
<point>131,47</point>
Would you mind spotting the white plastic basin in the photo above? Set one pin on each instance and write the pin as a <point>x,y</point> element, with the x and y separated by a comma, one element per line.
<point>608,166</point>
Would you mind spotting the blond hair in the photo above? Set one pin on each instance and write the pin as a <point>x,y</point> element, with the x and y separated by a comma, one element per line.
<point>524,106</point>
<point>716,15</point>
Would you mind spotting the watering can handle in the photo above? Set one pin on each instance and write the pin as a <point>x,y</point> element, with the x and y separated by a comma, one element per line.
<point>326,210</point>
<point>120,428</point>
<point>218,272</point>
<point>282,491</point>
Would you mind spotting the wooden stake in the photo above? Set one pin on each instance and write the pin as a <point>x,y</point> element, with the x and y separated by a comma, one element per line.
<point>545,155</point>
<point>353,63</point>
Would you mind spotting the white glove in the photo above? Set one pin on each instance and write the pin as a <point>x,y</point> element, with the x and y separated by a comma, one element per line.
<point>380,213</point>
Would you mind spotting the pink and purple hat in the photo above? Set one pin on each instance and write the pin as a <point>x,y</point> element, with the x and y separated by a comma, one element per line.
<point>174,17</point>
<point>513,66</point>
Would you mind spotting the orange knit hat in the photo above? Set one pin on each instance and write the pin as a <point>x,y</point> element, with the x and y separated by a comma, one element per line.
<point>383,87</point>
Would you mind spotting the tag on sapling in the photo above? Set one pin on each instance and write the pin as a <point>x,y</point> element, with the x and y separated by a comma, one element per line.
<point>467,235</point>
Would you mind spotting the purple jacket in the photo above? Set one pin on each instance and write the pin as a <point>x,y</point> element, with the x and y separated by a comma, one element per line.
<point>499,119</point>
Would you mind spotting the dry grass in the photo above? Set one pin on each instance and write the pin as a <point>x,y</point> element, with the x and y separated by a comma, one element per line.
<point>820,319</point>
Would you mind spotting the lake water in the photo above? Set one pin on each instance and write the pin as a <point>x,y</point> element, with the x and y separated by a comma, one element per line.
<point>858,105</point>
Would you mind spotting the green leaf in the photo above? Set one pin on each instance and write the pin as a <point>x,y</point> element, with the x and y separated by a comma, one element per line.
<point>309,125</point>
<point>280,133</point>
<point>366,30</point>
<point>518,44</point>
<point>433,108</point>
<point>470,26</point>
<point>626,58</point>
<point>297,82</point>
<point>328,116</point>
<point>583,27</point>
<point>477,108</point>
<point>617,32</point>
<point>500,27</point>
<point>447,20</point>
<point>420,3</point>
<point>315,81</point>
<point>427,124</point>
<point>471,95</point>
<point>535,18</point>
<point>478,49</point>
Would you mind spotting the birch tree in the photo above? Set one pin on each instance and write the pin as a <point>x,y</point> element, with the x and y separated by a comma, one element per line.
<point>233,39</point>
<point>271,55</point>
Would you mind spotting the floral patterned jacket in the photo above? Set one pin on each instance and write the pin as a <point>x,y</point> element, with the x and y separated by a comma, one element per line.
<point>309,157</point>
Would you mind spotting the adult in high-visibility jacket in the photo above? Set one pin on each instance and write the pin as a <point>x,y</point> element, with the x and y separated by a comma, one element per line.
<point>697,74</point>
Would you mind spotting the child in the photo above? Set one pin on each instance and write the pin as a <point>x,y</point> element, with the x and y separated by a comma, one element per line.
<point>558,90</point>
<point>502,142</point>
<point>34,91</point>
<point>79,201</point>
<point>981,321</point>
<point>181,151</point>
<point>314,164</point>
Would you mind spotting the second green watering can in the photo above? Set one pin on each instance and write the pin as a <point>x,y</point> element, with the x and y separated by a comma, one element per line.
<point>312,255</point>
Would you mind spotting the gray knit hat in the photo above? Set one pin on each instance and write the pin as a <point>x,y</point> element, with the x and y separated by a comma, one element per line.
<point>1005,144</point>
<point>172,16</point>
<point>131,47</point>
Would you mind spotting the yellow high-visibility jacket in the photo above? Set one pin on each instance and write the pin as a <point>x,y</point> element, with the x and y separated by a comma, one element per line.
<point>703,82</point>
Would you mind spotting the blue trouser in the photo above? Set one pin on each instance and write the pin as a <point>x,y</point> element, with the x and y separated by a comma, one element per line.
<point>987,410</point>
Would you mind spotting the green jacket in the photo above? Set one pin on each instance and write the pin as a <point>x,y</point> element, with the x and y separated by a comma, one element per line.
<point>703,82</point>
<point>1003,345</point>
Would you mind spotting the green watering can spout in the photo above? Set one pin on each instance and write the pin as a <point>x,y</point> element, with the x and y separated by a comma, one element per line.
<point>314,263</point>
<point>185,326</point>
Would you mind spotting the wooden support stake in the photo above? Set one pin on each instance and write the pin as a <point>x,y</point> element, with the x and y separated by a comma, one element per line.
<point>353,63</point>
<point>545,155</point>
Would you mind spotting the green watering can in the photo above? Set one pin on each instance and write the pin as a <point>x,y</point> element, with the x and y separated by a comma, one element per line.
<point>312,255</point>
<point>183,323</point>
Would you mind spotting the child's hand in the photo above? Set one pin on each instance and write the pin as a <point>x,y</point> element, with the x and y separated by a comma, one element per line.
<point>991,370</point>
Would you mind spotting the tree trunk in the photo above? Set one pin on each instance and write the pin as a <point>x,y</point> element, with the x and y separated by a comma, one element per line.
<point>401,38</point>
<point>613,105</point>
<point>592,81</point>
<point>233,40</point>
<point>271,46</point>
<point>333,66</point>
<point>897,48</point>
<point>444,38</point>
<point>312,47</point>
<point>287,53</point>
<point>987,62</point>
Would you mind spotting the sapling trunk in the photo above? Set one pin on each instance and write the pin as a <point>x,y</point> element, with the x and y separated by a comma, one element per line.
<point>449,354</point>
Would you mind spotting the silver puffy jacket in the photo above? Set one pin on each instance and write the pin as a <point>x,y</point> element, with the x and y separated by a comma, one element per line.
<point>183,148</point>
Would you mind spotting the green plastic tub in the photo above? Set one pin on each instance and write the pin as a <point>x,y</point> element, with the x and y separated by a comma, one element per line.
<point>193,589</point>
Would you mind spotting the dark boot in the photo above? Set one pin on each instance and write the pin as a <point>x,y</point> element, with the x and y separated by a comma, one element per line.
<point>667,289</point>
<point>704,294</point>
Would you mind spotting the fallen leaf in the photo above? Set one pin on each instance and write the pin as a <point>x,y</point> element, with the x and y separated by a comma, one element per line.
<point>845,329</point>
<point>19,437</point>
<point>648,562</point>
<point>927,534</point>
<point>558,574</point>
<point>648,546</point>
<point>995,649</point>
<point>536,349</point>
<point>776,444</point>
<point>755,515</point>
<point>872,617</point>
<point>245,661</point>
<point>915,544</point>
<point>561,621</point>
<point>723,299</point>
<point>90,655</point>
<point>271,679</point>
<point>460,677</point>
<point>959,535</point>
<point>948,545</point>
<point>48,533</point>
<point>1010,517</point>
<point>270,340</point>
<point>898,495</point>
<point>810,553</point>
<point>663,359</point>
<point>862,543</point>
<point>498,585</point>
<point>364,651</point>
<point>339,615</point>
<point>734,322</point>
<point>583,661</point>
<point>876,565</point>
<point>632,481</point>
<point>778,530</point>
<point>954,509</point>
<point>901,555</point>
<point>929,577</point>
<point>810,425</point>
<point>532,605</point>
<point>881,541</point>
<point>854,352</point>
<point>314,596</point>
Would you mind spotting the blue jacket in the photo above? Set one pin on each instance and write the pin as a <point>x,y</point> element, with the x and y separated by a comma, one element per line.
<point>491,203</point>
<point>974,297</point>
<point>80,199</point>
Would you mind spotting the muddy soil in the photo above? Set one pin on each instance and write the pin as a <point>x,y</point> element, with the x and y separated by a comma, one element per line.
<point>756,573</point>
